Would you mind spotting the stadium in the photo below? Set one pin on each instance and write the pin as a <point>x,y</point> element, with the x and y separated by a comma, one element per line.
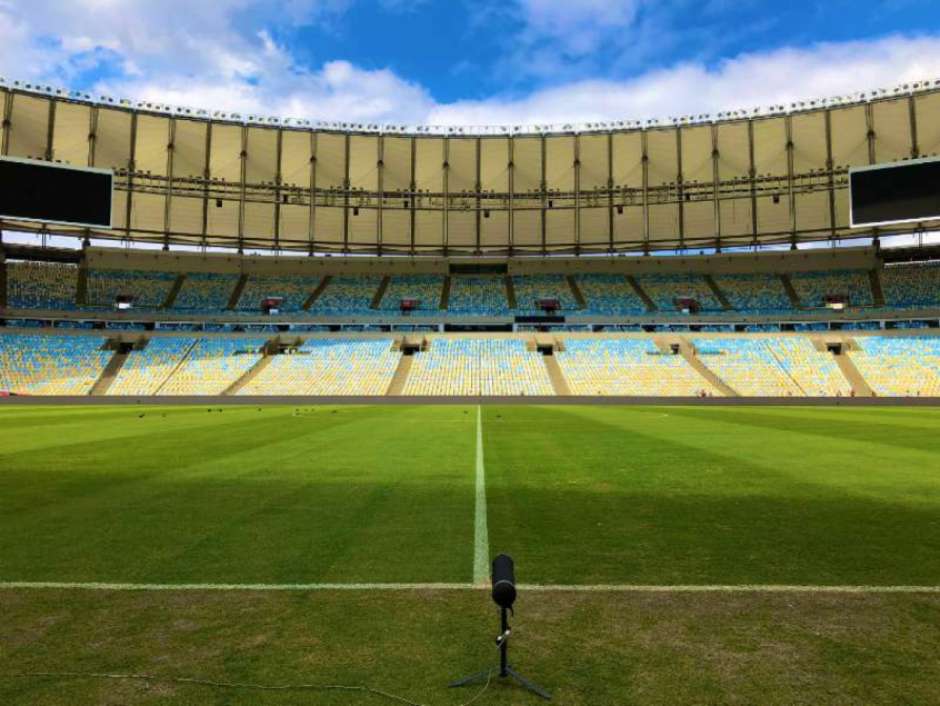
<point>275,393</point>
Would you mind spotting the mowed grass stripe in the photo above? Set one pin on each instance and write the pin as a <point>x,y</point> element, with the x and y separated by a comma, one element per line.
<point>606,495</point>
<point>481,542</point>
<point>346,495</point>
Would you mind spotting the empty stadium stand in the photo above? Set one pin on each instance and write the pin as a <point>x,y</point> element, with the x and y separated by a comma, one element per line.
<point>899,367</point>
<point>41,285</point>
<point>143,290</point>
<point>51,364</point>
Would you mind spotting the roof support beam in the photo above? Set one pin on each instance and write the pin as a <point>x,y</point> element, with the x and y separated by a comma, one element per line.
<point>312,219</point>
<point>752,175</point>
<point>242,192</point>
<point>412,202</point>
<point>645,159</point>
<point>278,192</point>
<point>830,176</point>
<point>478,188</point>
<point>788,124</point>
<point>7,115</point>
<point>610,192</point>
<point>543,188</point>
<point>511,167</point>
<point>716,204</point>
<point>380,185</point>
<point>445,215</point>
<point>912,114</point>
<point>207,175</point>
<point>346,184</point>
<point>680,189</point>
<point>131,168</point>
<point>168,196</point>
<point>577,194</point>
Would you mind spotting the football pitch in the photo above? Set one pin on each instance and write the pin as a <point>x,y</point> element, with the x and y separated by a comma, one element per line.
<point>666,554</point>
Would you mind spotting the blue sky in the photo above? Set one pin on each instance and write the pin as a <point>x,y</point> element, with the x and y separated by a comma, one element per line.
<point>482,62</point>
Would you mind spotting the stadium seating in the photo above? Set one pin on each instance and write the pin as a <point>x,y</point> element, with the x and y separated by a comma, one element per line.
<point>754,293</point>
<point>748,365</point>
<point>664,289</point>
<point>627,366</point>
<point>471,366</point>
<point>329,366</point>
<point>347,295</point>
<point>147,290</point>
<point>206,292</point>
<point>478,295</point>
<point>50,364</point>
<point>213,365</point>
<point>815,372</point>
<point>610,294</point>
<point>41,285</point>
<point>530,288</point>
<point>293,291</point>
<point>425,288</point>
<point>145,371</point>
<point>813,287</point>
<point>910,286</point>
<point>899,367</point>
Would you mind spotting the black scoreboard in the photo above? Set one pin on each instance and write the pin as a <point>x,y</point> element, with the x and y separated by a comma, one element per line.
<point>903,192</point>
<point>46,192</point>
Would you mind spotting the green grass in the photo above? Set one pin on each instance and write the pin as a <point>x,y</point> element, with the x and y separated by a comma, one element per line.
<point>578,495</point>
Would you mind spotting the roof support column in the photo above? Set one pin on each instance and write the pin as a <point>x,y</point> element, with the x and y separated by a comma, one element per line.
<point>610,192</point>
<point>7,115</point>
<point>752,175</point>
<point>912,113</point>
<point>645,160</point>
<point>478,188</point>
<point>716,204</point>
<point>243,191</point>
<point>312,220</point>
<point>380,167</point>
<point>445,216</point>
<point>167,201</point>
<point>50,131</point>
<point>412,196</point>
<point>788,124</point>
<point>543,188</point>
<point>511,167</point>
<point>577,194</point>
<point>131,168</point>
<point>278,180</point>
<point>680,188</point>
<point>346,184</point>
<point>206,186</point>
<point>830,176</point>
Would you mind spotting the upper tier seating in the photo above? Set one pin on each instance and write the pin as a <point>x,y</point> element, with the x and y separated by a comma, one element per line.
<point>213,365</point>
<point>293,291</point>
<point>347,295</point>
<point>910,286</point>
<point>145,371</point>
<point>815,372</point>
<point>41,285</point>
<point>813,287</point>
<point>664,289</point>
<point>425,288</point>
<point>627,366</point>
<point>474,366</point>
<point>147,290</point>
<point>757,293</point>
<point>610,294</point>
<point>748,365</point>
<point>899,367</point>
<point>530,288</point>
<point>478,295</point>
<point>203,291</point>
<point>329,366</point>
<point>50,364</point>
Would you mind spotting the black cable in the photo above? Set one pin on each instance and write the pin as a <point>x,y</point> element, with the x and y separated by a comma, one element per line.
<point>195,681</point>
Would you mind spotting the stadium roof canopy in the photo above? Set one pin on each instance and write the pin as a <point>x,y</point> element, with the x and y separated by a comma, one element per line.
<point>756,177</point>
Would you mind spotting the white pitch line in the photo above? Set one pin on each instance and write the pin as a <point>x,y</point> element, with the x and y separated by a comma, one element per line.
<point>481,539</point>
<point>542,588</point>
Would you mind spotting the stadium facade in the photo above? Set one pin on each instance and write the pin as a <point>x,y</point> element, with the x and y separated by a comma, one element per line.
<point>459,262</point>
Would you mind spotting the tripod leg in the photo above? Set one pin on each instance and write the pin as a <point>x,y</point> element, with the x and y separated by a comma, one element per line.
<point>472,679</point>
<point>526,684</point>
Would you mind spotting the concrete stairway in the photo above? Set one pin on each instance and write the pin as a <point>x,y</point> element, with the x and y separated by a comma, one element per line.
<point>719,295</point>
<point>638,290</point>
<point>859,385</point>
<point>108,375</point>
<point>249,375</point>
<point>556,375</point>
<point>877,293</point>
<point>237,292</point>
<point>397,385</point>
<point>510,292</point>
<point>445,294</point>
<point>315,294</point>
<point>174,292</point>
<point>380,293</point>
<point>576,292</point>
<point>791,292</point>
<point>687,351</point>
<point>176,367</point>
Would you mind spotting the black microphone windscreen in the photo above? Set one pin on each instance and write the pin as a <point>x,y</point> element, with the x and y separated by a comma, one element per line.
<point>504,581</point>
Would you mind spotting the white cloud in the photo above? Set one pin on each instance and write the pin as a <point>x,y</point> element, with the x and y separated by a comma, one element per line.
<point>223,55</point>
<point>750,80</point>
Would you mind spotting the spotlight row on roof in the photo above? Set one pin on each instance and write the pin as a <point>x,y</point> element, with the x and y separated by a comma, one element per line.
<point>474,130</point>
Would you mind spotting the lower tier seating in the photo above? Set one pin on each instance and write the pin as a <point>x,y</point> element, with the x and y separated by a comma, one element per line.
<point>628,366</point>
<point>51,365</point>
<point>329,366</point>
<point>145,371</point>
<point>213,365</point>
<point>748,365</point>
<point>472,366</point>
<point>899,367</point>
